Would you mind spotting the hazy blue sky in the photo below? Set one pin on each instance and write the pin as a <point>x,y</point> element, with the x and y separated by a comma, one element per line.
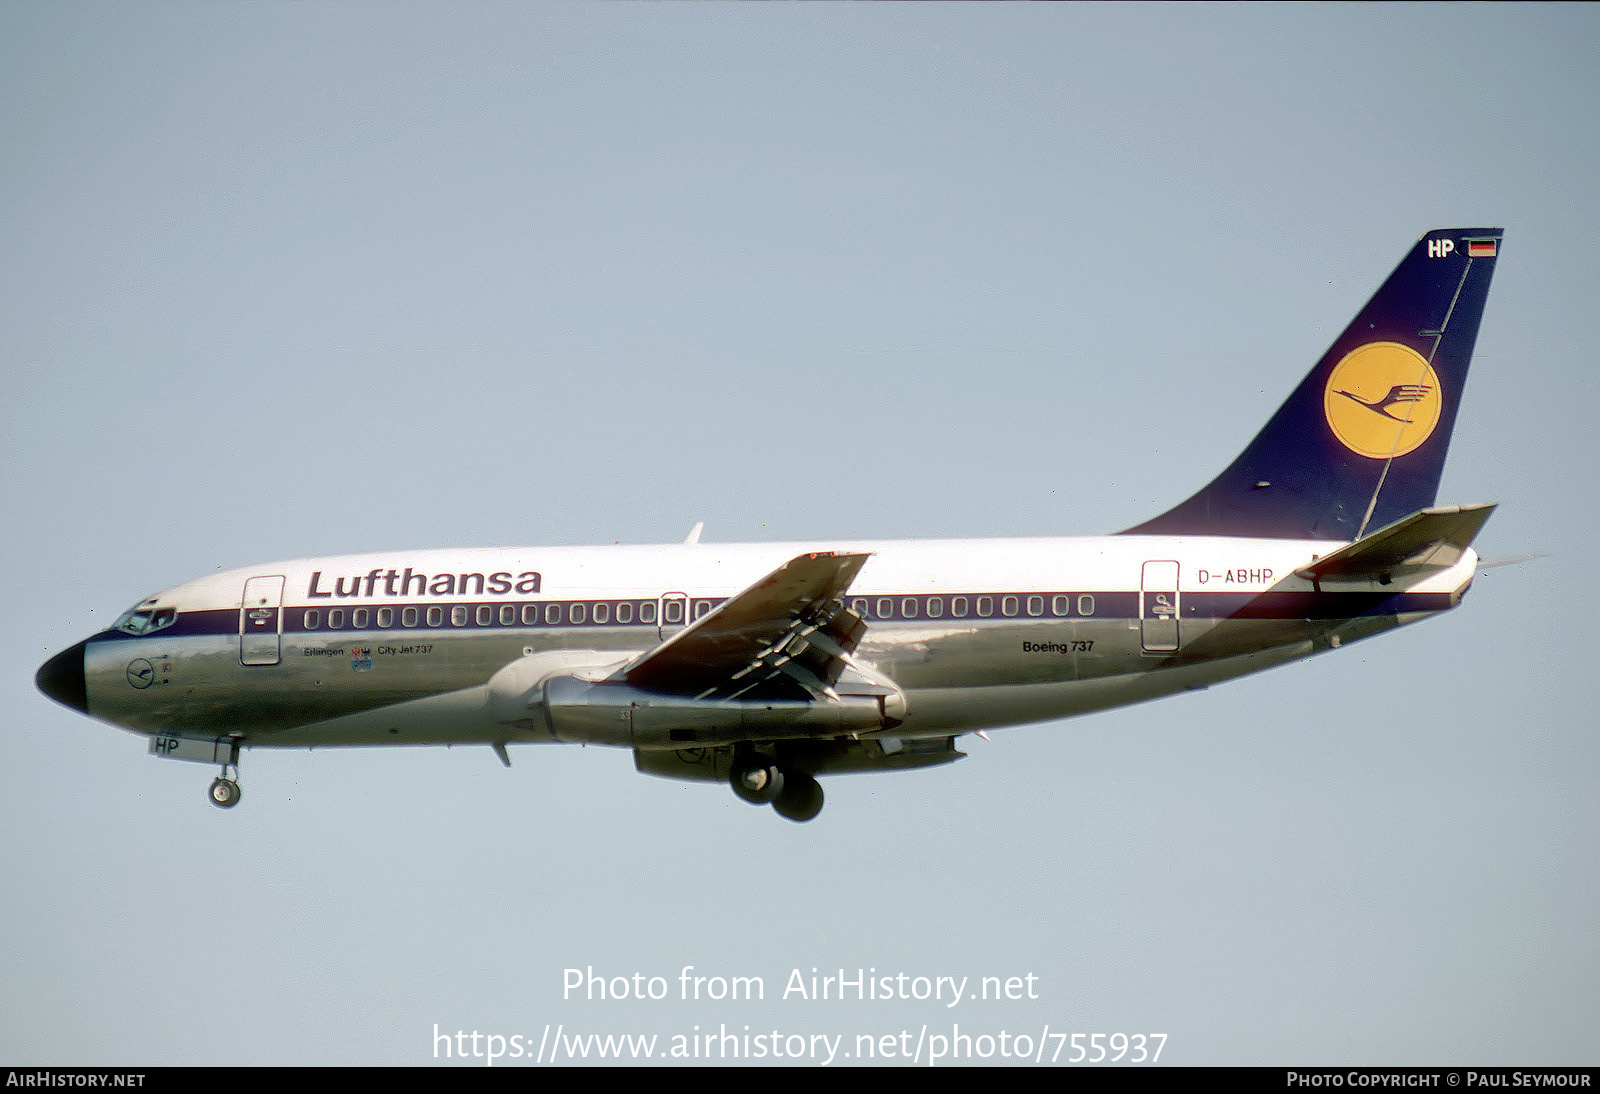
<point>297,279</point>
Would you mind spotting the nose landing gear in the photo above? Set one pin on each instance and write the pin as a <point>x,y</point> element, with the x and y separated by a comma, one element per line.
<point>225,792</point>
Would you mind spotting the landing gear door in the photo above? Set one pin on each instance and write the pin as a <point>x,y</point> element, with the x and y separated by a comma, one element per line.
<point>1158,607</point>
<point>261,621</point>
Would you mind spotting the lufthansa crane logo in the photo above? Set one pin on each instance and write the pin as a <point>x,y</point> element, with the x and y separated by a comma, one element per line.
<point>1382,400</point>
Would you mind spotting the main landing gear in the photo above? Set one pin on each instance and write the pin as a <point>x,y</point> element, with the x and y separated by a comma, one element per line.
<point>760,780</point>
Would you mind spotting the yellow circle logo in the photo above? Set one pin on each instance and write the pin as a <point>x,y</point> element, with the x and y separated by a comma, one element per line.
<point>1382,400</point>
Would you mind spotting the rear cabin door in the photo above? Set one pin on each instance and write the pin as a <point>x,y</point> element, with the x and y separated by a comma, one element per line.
<point>261,621</point>
<point>1158,607</point>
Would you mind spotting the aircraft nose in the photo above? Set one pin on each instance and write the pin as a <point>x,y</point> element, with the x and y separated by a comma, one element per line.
<point>61,678</point>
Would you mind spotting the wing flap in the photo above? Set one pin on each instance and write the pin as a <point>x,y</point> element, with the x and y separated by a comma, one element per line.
<point>787,636</point>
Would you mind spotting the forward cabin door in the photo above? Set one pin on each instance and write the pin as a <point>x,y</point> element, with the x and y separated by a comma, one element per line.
<point>1158,607</point>
<point>261,621</point>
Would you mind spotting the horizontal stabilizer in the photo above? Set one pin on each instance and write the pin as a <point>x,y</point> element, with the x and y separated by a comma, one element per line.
<point>1432,539</point>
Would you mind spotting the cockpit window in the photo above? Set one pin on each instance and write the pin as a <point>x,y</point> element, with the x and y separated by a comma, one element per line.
<point>145,618</point>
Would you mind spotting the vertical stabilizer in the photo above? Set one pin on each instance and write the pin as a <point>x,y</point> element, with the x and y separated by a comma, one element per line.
<point>1361,442</point>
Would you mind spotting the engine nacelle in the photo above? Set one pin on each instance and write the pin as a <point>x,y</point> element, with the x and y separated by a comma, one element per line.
<point>571,696</point>
<point>615,713</point>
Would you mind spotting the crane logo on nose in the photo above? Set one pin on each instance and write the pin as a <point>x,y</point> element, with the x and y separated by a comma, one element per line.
<point>141,673</point>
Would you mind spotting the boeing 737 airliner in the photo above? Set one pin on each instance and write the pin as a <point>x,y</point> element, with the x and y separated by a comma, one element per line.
<point>767,665</point>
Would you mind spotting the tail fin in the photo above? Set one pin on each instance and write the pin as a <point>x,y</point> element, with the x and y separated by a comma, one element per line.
<point>1361,442</point>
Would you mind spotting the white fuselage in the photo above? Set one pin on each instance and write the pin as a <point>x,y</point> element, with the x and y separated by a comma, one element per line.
<point>976,633</point>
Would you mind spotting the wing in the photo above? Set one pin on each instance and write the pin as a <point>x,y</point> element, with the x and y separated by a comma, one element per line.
<point>788,636</point>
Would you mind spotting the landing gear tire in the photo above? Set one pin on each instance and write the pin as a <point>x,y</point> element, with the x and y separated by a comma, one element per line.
<point>758,780</point>
<point>225,793</point>
<point>800,799</point>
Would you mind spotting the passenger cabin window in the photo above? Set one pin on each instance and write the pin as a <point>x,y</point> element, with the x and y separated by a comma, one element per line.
<point>312,618</point>
<point>358,619</point>
<point>335,618</point>
<point>385,617</point>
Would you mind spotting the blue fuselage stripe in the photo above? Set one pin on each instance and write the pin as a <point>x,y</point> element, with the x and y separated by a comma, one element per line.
<point>877,609</point>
